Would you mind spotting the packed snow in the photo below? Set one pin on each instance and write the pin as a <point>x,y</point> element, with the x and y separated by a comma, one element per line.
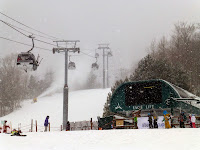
<point>132,139</point>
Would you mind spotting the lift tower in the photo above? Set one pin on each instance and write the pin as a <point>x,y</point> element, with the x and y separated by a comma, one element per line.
<point>70,47</point>
<point>103,47</point>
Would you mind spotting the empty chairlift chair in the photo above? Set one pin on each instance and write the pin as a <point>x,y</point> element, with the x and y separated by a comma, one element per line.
<point>72,65</point>
<point>95,66</point>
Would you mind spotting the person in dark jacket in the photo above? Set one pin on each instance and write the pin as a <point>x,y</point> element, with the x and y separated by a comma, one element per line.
<point>182,120</point>
<point>46,123</point>
<point>68,126</point>
<point>150,121</point>
<point>155,124</point>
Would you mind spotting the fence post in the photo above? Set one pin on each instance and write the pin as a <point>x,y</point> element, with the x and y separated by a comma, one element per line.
<point>36,125</point>
<point>91,123</point>
<point>31,125</point>
<point>49,126</point>
<point>10,126</point>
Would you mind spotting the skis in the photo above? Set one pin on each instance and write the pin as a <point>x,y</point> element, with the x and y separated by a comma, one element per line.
<point>18,135</point>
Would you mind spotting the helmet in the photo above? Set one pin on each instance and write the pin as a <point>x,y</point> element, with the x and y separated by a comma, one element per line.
<point>164,112</point>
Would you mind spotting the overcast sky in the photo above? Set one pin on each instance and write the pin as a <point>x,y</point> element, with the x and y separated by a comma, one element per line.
<point>128,25</point>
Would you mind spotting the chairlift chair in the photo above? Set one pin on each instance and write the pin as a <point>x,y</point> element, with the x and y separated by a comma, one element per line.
<point>28,60</point>
<point>110,54</point>
<point>72,65</point>
<point>25,58</point>
<point>95,66</point>
<point>96,55</point>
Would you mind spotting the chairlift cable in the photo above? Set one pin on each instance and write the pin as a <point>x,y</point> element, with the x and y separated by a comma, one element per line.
<point>25,34</point>
<point>31,32</point>
<point>23,43</point>
<point>87,54</point>
<point>28,26</point>
<point>13,28</point>
<point>45,42</point>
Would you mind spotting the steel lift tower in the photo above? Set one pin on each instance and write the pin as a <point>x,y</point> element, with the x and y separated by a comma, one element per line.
<point>66,50</point>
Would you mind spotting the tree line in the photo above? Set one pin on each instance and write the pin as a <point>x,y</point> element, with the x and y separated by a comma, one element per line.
<point>174,59</point>
<point>17,85</point>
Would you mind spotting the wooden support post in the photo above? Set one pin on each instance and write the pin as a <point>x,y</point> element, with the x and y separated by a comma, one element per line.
<point>49,127</point>
<point>36,125</point>
<point>10,126</point>
<point>31,125</point>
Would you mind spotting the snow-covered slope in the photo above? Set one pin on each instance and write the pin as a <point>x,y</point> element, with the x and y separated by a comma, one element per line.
<point>141,139</point>
<point>83,105</point>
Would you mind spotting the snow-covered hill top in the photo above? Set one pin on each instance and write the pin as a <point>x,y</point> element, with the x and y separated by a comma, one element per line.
<point>83,105</point>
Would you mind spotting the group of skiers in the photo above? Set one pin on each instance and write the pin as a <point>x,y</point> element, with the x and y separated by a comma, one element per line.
<point>152,119</point>
<point>181,119</point>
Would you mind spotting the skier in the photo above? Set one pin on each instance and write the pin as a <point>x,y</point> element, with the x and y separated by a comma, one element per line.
<point>155,124</point>
<point>182,120</point>
<point>190,122</point>
<point>15,132</point>
<point>193,120</point>
<point>166,119</point>
<point>68,126</point>
<point>5,127</point>
<point>150,121</point>
<point>135,121</point>
<point>46,123</point>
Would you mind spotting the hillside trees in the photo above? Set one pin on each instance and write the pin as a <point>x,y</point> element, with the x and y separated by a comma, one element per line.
<point>17,85</point>
<point>175,59</point>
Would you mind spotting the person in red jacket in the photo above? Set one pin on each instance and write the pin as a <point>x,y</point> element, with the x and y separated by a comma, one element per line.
<point>193,120</point>
<point>5,127</point>
<point>190,122</point>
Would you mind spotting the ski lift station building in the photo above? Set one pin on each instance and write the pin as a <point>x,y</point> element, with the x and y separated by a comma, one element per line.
<point>153,95</point>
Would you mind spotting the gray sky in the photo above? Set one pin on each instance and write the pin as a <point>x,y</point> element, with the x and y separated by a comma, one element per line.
<point>128,25</point>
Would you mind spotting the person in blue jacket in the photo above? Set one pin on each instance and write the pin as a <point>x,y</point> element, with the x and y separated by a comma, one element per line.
<point>46,123</point>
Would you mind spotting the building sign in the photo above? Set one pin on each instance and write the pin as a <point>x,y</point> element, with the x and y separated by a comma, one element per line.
<point>143,93</point>
<point>143,107</point>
